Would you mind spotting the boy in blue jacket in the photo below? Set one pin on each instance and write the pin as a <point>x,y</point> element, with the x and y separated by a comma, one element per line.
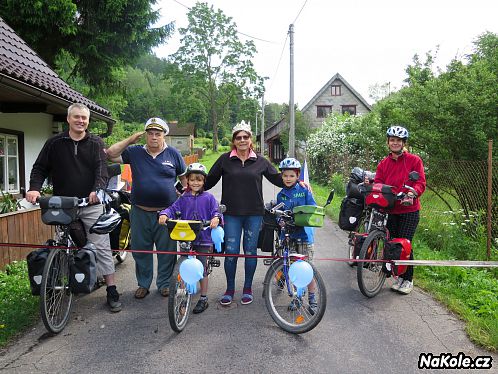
<point>292,195</point>
<point>196,204</point>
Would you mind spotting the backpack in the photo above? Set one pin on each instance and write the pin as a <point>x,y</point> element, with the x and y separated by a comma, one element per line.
<point>83,271</point>
<point>36,262</point>
<point>350,213</point>
<point>396,249</point>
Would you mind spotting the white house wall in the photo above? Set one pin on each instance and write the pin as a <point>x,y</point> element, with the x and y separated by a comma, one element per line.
<point>37,128</point>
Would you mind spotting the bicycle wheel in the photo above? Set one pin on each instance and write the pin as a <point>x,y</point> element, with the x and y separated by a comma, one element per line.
<point>293,314</point>
<point>55,296</point>
<point>370,275</point>
<point>179,300</point>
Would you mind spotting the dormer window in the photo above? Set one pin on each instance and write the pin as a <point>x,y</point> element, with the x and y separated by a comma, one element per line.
<point>335,90</point>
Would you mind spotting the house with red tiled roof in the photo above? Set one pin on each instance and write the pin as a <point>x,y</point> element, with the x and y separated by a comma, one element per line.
<point>181,136</point>
<point>33,106</point>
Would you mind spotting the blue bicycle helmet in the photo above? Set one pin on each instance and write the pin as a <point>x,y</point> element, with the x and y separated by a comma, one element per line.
<point>397,131</point>
<point>289,163</point>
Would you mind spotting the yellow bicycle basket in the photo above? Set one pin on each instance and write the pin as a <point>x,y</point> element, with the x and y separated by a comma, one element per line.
<point>184,230</point>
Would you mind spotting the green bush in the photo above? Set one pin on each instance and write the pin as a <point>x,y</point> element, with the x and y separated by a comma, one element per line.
<point>225,142</point>
<point>338,184</point>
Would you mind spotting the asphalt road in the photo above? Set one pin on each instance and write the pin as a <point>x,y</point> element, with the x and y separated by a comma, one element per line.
<point>385,334</point>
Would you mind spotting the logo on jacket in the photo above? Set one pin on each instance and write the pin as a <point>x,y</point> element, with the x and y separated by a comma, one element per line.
<point>167,163</point>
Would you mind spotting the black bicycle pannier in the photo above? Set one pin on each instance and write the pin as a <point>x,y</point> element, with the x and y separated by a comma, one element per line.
<point>350,213</point>
<point>83,271</point>
<point>357,242</point>
<point>266,239</point>
<point>352,191</point>
<point>78,233</point>
<point>58,210</point>
<point>36,262</point>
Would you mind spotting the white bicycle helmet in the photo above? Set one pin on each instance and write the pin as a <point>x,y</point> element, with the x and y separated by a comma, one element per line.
<point>397,131</point>
<point>107,222</point>
<point>196,168</point>
<point>289,163</point>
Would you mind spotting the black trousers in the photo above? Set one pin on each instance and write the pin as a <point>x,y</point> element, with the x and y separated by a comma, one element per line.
<point>404,226</point>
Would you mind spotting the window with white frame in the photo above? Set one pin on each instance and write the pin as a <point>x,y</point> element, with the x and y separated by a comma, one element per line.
<point>9,163</point>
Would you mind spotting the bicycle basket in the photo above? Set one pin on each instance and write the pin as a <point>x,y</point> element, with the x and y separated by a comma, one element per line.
<point>308,215</point>
<point>58,210</point>
<point>380,195</point>
<point>184,230</point>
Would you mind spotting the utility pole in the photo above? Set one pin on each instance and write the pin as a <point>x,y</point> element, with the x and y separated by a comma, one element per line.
<point>292,151</point>
<point>262,138</point>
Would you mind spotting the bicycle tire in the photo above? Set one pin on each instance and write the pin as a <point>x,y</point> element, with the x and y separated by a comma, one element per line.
<point>278,301</point>
<point>56,298</point>
<point>179,300</point>
<point>370,276</point>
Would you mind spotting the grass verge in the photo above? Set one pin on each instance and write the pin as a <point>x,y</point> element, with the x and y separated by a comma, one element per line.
<point>18,308</point>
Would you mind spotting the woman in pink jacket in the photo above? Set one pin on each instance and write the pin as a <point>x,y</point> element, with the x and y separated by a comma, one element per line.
<point>403,219</point>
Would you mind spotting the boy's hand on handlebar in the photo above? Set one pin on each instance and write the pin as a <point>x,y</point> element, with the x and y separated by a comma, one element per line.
<point>163,218</point>
<point>32,196</point>
<point>215,221</point>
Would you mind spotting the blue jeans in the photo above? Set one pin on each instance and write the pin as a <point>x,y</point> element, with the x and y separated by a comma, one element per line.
<point>234,225</point>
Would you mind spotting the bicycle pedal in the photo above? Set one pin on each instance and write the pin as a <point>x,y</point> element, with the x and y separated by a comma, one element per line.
<point>215,263</point>
<point>267,261</point>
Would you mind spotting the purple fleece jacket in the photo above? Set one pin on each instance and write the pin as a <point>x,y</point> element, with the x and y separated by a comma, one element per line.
<point>199,207</point>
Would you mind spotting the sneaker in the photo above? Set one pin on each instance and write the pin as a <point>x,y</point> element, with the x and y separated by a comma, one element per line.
<point>113,300</point>
<point>397,284</point>
<point>201,306</point>
<point>295,304</point>
<point>313,305</point>
<point>406,287</point>
<point>247,297</point>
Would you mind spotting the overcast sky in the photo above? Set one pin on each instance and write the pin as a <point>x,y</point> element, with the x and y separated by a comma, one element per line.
<point>366,41</point>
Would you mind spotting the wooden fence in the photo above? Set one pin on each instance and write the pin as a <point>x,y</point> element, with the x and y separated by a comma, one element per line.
<point>24,226</point>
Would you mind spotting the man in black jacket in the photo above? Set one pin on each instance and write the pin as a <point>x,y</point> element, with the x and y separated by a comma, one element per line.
<point>77,164</point>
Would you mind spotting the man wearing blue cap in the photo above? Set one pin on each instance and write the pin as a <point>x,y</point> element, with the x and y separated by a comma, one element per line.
<point>155,167</point>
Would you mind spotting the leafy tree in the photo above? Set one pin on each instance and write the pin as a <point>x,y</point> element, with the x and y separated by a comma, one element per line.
<point>214,65</point>
<point>101,35</point>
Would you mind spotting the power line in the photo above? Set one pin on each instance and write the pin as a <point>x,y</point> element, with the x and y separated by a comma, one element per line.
<point>305,1</point>
<point>238,32</point>
<point>278,65</point>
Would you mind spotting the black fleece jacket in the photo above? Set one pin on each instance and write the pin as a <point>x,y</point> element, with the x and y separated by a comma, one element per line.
<point>242,190</point>
<point>75,167</point>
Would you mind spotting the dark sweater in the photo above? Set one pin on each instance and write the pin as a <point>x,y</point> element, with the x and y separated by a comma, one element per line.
<point>242,189</point>
<point>76,167</point>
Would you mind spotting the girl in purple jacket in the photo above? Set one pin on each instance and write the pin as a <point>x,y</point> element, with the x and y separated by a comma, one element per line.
<point>196,204</point>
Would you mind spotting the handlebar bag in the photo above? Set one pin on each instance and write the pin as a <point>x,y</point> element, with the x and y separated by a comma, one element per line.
<point>396,249</point>
<point>58,210</point>
<point>83,271</point>
<point>350,213</point>
<point>380,196</point>
<point>36,262</point>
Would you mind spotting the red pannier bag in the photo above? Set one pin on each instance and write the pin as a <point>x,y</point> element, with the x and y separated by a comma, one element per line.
<point>380,196</point>
<point>397,249</point>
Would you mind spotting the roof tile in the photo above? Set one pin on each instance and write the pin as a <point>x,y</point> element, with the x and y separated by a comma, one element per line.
<point>19,61</point>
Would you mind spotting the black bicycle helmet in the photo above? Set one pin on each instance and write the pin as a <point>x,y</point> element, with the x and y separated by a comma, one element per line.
<point>107,222</point>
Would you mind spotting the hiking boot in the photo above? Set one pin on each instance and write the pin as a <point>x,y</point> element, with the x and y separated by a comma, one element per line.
<point>397,284</point>
<point>406,287</point>
<point>201,306</point>
<point>113,300</point>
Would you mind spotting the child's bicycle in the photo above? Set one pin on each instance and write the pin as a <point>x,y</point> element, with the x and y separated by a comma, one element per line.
<point>179,303</point>
<point>370,275</point>
<point>291,313</point>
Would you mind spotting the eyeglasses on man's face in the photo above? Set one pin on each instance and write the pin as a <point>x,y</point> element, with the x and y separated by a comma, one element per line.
<point>242,137</point>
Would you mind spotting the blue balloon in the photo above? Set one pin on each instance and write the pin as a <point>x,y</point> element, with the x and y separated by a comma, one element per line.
<point>218,236</point>
<point>301,273</point>
<point>191,271</point>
